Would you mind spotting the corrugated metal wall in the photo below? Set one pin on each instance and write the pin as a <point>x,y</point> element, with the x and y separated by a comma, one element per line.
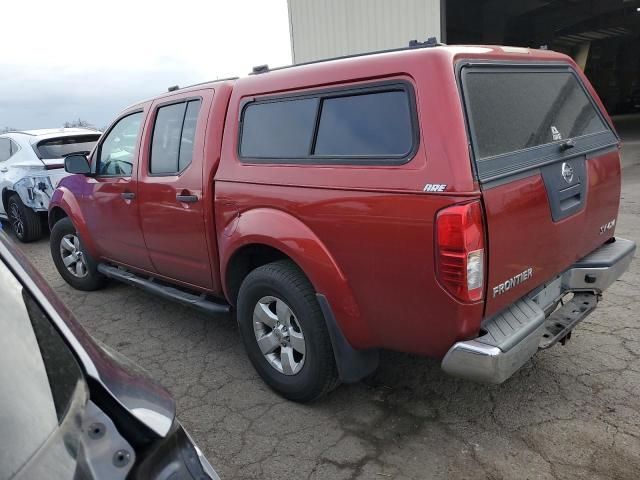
<point>331,28</point>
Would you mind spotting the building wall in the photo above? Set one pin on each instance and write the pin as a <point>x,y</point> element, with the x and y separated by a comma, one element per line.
<point>331,28</point>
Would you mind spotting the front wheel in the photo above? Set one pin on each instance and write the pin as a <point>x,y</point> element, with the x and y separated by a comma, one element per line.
<point>71,261</point>
<point>284,332</point>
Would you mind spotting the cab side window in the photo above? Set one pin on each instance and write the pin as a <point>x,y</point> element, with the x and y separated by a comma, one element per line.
<point>173,137</point>
<point>117,151</point>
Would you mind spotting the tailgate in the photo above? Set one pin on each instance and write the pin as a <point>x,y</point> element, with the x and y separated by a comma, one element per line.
<point>549,169</point>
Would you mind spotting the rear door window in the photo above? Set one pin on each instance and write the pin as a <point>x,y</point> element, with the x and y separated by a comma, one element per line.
<point>173,137</point>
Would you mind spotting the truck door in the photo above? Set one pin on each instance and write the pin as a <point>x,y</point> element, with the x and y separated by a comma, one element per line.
<point>110,204</point>
<point>548,165</point>
<point>170,189</point>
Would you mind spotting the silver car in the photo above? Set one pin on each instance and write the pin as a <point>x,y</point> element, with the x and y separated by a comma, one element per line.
<point>31,165</point>
<point>71,408</point>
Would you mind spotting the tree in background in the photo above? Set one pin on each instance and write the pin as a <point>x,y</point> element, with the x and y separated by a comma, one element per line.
<point>7,130</point>
<point>79,123</point>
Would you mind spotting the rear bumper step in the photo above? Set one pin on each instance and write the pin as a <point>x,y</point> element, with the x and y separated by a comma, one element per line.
<point>561,322</point>
<point>510,338</point>
<point>201,302</point>
<point>598,270</point>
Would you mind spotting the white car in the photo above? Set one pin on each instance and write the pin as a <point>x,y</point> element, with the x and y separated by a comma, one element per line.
<point>31,166</point>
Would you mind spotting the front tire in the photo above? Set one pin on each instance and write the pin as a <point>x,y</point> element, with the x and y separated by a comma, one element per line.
<point>25,223</point>
<point>73,264</point>
<point>284,332</point>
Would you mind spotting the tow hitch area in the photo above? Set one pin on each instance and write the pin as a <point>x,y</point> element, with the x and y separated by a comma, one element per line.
<point>559,324</point>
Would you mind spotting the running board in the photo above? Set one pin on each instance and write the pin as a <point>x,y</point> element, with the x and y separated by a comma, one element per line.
<point>193,300</point>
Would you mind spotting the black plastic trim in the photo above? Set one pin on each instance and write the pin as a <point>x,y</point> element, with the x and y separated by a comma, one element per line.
<point>353,365</point>
<point>170,292</point>
<point>506,165</point>
<point>336,92</point>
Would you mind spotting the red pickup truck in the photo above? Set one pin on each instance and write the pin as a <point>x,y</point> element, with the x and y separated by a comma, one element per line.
<point>457,202</point>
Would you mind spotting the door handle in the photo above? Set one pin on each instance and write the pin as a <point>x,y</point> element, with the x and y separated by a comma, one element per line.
<point>4,169</point>
<point>187,198</point>
<point>128,195</point>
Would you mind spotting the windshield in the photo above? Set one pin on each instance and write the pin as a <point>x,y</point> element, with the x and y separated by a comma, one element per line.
<point>63,146</point>
<point>40,378</point>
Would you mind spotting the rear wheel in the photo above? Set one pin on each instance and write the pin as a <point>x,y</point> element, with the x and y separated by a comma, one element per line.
<point>25,223</point>
<point>70,259</point>
<point>284,332</point>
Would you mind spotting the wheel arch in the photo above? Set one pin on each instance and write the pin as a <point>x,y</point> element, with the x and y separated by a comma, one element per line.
<point>6,193</point>
<point>268,234</point>
<point>56,214</point>
<point>64,204</point>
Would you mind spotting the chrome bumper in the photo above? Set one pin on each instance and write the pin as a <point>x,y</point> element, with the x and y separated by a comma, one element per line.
<point>510,338</point>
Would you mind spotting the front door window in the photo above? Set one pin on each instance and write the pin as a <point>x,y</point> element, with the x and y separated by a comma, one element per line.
<point>117,151</point>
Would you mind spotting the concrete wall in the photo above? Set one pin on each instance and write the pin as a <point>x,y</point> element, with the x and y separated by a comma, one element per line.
<point>331,28</point>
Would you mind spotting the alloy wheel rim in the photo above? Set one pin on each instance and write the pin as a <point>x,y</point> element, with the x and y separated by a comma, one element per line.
<point>72,256</point>
<point>279,335</point>
<point>16,220</point>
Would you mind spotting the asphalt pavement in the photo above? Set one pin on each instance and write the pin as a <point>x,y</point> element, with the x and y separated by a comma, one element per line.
<point>572,412</point>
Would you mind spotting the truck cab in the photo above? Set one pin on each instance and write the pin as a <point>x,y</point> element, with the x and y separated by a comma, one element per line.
<point>346,206</point>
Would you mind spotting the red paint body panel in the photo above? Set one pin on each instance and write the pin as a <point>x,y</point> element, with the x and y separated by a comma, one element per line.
<point>370,253</point>
<point>112,223</point>
<point>174,232</point>
<point>364,235</point>
<point>522,233</point>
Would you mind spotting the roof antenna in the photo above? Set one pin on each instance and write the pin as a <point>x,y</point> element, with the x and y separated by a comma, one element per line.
<point>173,88</point>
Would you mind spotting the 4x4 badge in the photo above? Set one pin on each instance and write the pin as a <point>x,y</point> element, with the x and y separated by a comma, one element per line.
<point>567,172</point>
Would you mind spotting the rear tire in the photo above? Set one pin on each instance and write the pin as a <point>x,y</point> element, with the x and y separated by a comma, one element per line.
<point>284,332</point>
<point>25,223</point>
<point>74,265</point>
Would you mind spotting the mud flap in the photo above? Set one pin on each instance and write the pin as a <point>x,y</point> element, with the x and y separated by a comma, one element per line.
<point>353,365</point>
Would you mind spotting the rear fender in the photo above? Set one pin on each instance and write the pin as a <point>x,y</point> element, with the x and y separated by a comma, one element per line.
<point>64,199</point>
<point>284,232</point>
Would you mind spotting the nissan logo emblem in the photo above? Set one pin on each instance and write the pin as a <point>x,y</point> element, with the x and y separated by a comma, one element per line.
<point>567,172</point>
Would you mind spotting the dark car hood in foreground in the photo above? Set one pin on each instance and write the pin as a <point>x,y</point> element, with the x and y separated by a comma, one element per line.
<point>145,399</point>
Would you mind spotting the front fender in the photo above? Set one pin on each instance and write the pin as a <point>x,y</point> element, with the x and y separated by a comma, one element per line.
<point>66,200</point>
<point>284,232</point>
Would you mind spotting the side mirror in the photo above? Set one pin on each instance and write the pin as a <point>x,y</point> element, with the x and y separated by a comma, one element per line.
<point>77,164</point>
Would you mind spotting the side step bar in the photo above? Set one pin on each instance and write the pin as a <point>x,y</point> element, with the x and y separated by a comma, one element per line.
<point>193,300</point>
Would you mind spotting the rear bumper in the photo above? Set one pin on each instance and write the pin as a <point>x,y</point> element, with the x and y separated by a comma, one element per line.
<point>510,338</point>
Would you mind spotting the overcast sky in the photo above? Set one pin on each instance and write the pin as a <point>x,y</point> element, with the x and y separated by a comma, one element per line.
<point>66,59</point>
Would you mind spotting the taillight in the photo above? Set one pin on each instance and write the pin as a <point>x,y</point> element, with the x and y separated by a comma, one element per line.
<point>460,251</point>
